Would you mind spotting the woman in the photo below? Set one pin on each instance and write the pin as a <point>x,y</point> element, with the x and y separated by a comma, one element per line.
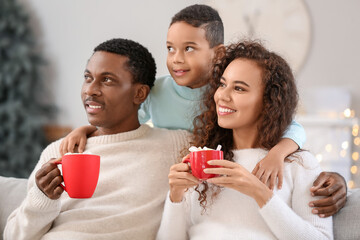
<point>251,102</point>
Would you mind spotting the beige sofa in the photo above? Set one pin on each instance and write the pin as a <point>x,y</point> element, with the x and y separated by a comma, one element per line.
<point>346,222</point>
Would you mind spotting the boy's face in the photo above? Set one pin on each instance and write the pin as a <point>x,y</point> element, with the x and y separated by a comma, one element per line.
<point>189,58</point>
<point>108,93</point>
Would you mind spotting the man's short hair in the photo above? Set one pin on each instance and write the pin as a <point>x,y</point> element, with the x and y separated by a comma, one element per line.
<point>204,17</point>
<point>140,62</point>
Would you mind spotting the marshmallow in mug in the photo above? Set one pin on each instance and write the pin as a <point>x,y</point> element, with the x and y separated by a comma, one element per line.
<point>69,153</point>
<point>195,149</point>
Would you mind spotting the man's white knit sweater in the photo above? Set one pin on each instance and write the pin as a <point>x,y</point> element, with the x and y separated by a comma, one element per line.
<point>234,215</point>
<point>128,200</point>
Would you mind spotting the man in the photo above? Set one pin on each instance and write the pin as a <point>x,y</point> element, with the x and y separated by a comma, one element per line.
<point>135,159</point>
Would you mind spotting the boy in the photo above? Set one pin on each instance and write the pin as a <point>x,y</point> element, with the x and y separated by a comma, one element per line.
<point>194,36</point>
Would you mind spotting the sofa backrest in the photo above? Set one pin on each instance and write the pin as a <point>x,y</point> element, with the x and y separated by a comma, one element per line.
<point>347,220</point>
<point>12,193</point>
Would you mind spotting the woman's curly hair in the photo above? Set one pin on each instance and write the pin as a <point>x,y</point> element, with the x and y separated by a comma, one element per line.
<point>279,103</point>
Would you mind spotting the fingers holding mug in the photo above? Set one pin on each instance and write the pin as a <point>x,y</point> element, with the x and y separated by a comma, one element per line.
<point>48,179</point>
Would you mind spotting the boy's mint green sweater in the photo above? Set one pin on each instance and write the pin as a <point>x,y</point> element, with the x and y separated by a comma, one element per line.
<point>175,107</point>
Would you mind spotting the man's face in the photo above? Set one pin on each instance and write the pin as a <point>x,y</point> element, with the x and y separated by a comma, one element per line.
<point>108,94</point>
<point>189,58</point>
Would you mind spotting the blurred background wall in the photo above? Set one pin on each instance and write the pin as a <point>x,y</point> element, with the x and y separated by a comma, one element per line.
<point>67,31</point>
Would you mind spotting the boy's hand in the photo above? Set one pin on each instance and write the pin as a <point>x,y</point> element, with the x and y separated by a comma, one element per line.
<point>333,186</point>
<point>268,169</point>
<point>48,179</point>
<point>76,140</point>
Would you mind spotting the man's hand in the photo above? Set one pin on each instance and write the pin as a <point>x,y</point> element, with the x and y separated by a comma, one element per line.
<point>48,180</point>
<point>333,186</point>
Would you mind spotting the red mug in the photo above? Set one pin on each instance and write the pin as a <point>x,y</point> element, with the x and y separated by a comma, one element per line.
<point>80,174</point>
<point>198,162</point>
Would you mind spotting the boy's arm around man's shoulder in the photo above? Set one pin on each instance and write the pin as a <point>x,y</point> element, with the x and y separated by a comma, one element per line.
<point>296,132</point>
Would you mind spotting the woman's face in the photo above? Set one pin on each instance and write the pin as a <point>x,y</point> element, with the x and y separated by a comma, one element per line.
<point>240,95</point>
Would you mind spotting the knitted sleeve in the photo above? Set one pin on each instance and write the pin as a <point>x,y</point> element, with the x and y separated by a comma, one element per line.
<point>33,218</point>
<point>297,221</point>
<point>175,221</point>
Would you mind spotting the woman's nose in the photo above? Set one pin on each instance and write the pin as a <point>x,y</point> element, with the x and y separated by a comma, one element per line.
<point>224,94</point>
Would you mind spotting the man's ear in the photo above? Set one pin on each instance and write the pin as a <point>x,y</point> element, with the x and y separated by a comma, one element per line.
<point>142,91</point>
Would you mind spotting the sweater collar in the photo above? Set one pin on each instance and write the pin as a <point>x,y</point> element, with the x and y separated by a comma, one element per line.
<point>120,137</point>
<point>195,94</point>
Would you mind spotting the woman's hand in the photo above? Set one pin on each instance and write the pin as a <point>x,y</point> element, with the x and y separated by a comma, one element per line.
<point>180,179</point>
<point>233,175</point>
<point>48,179</point>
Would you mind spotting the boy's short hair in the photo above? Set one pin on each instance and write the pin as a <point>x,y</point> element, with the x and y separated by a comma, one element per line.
<point>205,17</point>
<point>140,62</point>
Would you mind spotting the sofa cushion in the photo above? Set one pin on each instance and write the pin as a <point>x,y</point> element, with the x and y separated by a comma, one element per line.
<point>12,193</point>
<point>347,220</point>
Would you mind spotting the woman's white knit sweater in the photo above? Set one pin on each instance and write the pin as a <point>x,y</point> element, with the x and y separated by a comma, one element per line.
<point>234,215</point>
<point>128,200</point>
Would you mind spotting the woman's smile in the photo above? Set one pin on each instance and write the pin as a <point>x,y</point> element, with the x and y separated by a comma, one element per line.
<point>222,110</point>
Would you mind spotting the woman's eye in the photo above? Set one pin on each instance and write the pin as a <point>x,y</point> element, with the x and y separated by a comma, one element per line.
<point>239,89</point>
<point>189,49</point>
<point>222,85</point>
<point>170,49</point>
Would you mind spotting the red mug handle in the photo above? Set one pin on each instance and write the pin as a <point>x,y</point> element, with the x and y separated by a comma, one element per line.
<point>57,163</point>
<point>187,160</point>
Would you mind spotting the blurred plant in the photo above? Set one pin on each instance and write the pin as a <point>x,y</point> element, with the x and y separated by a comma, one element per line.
<point>22,113</point>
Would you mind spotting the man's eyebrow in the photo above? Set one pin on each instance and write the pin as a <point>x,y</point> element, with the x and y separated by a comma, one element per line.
<point>109,73</point>
<point>236,81</point>
<point>104,73</point>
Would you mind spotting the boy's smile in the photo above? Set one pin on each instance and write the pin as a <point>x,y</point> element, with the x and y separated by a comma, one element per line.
<point>189,59</point>
<point>180,72</point>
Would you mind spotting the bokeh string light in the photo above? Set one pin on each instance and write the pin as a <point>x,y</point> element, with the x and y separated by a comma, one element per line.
<point>355,155</point>
<point>347,150</point>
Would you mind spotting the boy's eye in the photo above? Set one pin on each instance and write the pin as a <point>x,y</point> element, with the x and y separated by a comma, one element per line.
<point>189,49</point>
<point>170,49</point>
